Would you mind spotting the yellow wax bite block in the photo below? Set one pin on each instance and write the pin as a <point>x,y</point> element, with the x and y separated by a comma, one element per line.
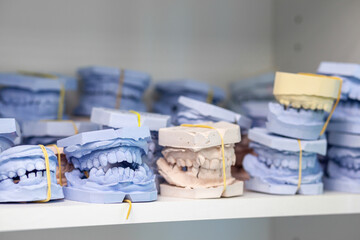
<point>197,137</point>
<point>308,91</point>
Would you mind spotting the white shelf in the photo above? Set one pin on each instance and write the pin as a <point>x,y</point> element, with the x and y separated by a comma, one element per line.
<point>60,214</point>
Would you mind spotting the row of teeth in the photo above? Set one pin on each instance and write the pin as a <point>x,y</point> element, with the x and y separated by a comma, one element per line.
<point>349,163</point>
<point>101,159</point>
<point>39,166</point>
<point>286,163</point>
<point>308,102</point>
<point>200,162</point>
<point>32,178</point>
<point>117,174</point>
<point>307,113</point>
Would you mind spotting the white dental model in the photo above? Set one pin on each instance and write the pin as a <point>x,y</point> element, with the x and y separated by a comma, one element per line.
<point>192,163</point>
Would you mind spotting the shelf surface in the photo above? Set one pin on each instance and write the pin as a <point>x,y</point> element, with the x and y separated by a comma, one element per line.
<point>64,213</point>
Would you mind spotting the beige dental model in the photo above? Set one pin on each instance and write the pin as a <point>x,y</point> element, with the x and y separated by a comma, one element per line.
<point>192,163</point>
<point>308,91</point>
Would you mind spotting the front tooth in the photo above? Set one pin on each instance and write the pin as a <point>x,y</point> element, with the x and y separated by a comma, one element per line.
<point>214,164</point>
<point>128,156</point>
<point>201,159</point>
<point>121,172</point>
<point>20,172</point>
<point>40,165</point>
<point>96,163</point>
<point>112,157</point>
<point>103,160</point>
<point>31,175</point>
<point>127,172</point>
<point>30,167</point>
<point>120,156</point>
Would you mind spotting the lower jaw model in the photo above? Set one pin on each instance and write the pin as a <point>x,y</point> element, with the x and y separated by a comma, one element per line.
<point>23,175</point>
<point>343,170</point>
<point>197,172</point>
<point>110,170</point>
<point>277,172</point>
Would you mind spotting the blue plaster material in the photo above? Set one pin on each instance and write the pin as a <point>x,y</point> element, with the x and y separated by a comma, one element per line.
<point>295,123</point>
<point>26,163</point>
<point>115,162</point>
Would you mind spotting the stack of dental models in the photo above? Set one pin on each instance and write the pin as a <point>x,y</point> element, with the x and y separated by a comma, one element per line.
<point>25,175</point>
<point>9,133</point>
<point>285,159</point>
<point>111,88</point>
<point>194,160</point>
<point>33,96</point>
<point>109,166</point>
<point>344,130</point>
<point>120,118</point>
<point>251,97</point>
<point>169,92</point>
<point>48,132</point>
<point>191,111</point>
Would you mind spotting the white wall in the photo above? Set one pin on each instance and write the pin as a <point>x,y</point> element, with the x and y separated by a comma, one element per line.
<point>209,40</point>
<point>310,31</point>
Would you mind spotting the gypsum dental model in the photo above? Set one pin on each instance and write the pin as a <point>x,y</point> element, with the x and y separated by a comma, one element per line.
<point>9,133</point>
<point>193,162</point>
<point>191,111</point>
<point>342,171</point>
<point>304,98</point>
<point>168,93</point>
<point>109,166</point>
<point>48,132</point>
<point>120,118</point>
<point>112,88</point>
<point>31,97</point>
<point>275,165</point>
<point>24,175</point>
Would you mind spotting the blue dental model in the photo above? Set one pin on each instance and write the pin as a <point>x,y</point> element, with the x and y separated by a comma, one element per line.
<point>23,175</point>
<point>109,166</point>
<point>110,87</point>
<point>274,168</point>
<point>9,133</point>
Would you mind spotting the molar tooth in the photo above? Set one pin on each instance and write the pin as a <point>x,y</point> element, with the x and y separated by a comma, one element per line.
<point>11,174</point>
<point>112,157</point>
<point>96,163</point>
<point>171,159</point>
<point>23,178</point>
<point>128,156</point>
<point>40,165</point>
<point>100,172</point>
<point>20,172</point>
<point>31,175</point>
<point>103,160</point>
<point>108,173</point>
<point>39,174</point>
<point>30,167</point>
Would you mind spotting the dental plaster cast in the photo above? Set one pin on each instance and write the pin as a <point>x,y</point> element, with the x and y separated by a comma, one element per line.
<point>274,165</point>
<point>109,166</point>
<point>193,165</point>
<point>304,99</point>
<point>9,133</point>
<point>48,132</point>
<point>112,88</point>
<point>193,112</point>
<point>168,93</point>
<point>23,175</point>
<point>121,118</point>
<point>342,171</point>
<point>31,97</point>
<point>250,97</point>
<point>347,114</point>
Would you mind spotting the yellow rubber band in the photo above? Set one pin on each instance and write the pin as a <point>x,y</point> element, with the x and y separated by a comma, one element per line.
<point>121,83</point>
<point>336,102</point>
<point>130,206</point>
<point>47,165</point>
<point>61,103</point>
<point>210,96</point>
<point>300,166</point>
<point>222,147</point>
<point>59,162</point>
<point>138,116</point>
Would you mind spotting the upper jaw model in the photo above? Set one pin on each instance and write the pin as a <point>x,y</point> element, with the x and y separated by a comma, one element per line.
<point>9,133</point>
<point>274,167</point>
<point>109,166</point>
<point>342,170</point>
<point>304,99</point>
<point>192,162</point>
<point>23,175</point>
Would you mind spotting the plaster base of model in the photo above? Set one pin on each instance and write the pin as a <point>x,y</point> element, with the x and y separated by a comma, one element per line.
<point>232,190</point>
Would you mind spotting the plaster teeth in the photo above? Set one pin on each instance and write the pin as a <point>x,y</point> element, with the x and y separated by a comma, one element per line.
<point>83,164</point>
<point>120,156</point>
<point>99,173</point>
<point>188,163</point>
<point>108,173</point>
<point>128,156</point>
<point>133,156</point>
<point>20,172</point>
<point>2,177</point>
<point>30,167</point>
<point>171,159</point>
<point>31,175</point>
<point>39,174</point>
<point>40,165</point>
<point>284,163</point>
<point>293,165</point>
<point>103,160</point>
<point>127,172</point>
<point>201,160</point>
<point>89,163</point>
<point>96,163</point>
<point>277,162</point>
<point>93,172</point>
<point>138,157</point>
<point>112,157</point>
<point>121,172</point>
